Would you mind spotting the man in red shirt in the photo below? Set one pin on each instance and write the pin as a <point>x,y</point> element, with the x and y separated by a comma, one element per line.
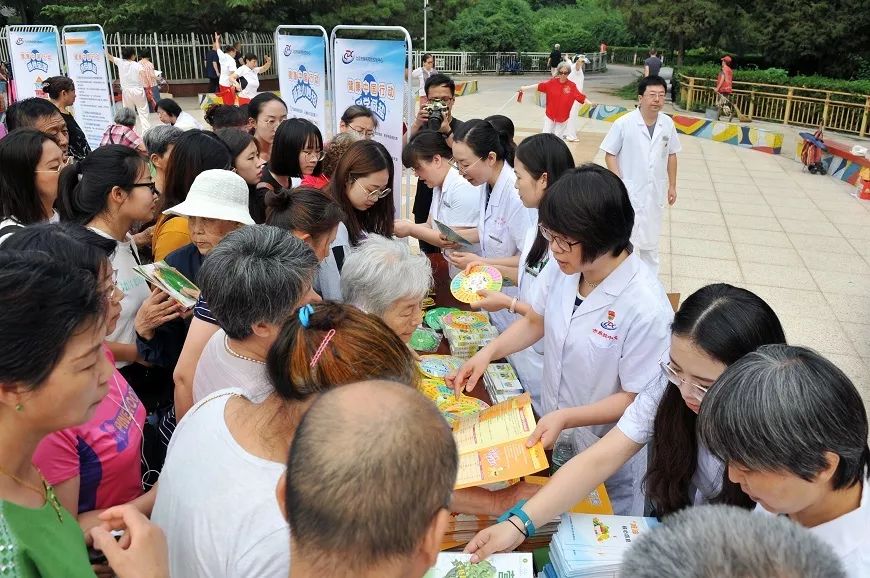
<point>724,88</point>
<point>561,94</point>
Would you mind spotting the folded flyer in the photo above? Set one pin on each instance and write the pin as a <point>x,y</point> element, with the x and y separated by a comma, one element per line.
<point>458,565</point>
<point>170,280</point>
<point>450,234</point>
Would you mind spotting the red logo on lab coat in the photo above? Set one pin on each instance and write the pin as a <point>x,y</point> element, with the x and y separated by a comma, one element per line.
<point>609,324</point>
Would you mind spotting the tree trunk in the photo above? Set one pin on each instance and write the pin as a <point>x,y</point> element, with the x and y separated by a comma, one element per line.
<point>681,49</point>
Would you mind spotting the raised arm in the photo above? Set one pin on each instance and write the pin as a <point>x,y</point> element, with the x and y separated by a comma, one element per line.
<point>267,64</point>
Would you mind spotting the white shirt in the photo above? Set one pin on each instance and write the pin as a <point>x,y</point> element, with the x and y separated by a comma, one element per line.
<point>848,536</point>
<point>456,203</point>
<point>133,285</point>
<point>502,224</point>
<point>611,343</point>
<point>250,75</point>
<point>327,283</point>
<point>185,121</point>
<point>637,424</point>
<point>423,75</point>
<point>577,77</point>
<point>219,369</point>
<point>129,73</point>
<point>216,502</point>
<point>227,66</point>
<point>12,221</point>
<point>643,164</point>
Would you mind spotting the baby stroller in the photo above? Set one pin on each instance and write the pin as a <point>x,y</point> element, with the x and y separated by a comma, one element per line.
<point>811,155</point>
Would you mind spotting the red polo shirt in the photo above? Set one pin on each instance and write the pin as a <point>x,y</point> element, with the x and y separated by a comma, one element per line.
<point>560,98</point>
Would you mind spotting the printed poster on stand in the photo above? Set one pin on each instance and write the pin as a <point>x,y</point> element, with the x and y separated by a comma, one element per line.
<point>35,56</point>
<point>86,63</point>
<point>371,73</point>
<point>302,77</point>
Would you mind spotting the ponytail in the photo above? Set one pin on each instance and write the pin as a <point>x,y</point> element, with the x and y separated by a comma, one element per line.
<point>304,209</point>
<point>483,137</point>
<point>84,187</point>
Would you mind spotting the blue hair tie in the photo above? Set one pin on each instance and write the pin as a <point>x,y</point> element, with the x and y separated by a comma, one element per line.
<point>305,314</point>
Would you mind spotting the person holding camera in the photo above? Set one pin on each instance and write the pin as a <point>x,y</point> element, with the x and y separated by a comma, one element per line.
<point>435,114</point>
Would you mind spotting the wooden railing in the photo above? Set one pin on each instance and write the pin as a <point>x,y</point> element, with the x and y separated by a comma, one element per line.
<point>839,111</point>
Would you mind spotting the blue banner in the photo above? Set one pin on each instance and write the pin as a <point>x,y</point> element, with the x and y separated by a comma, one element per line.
<point>35,56</point>
<point>301,64</point>
<point>86,63</point>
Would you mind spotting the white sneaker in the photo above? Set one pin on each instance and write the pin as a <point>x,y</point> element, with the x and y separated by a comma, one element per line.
<point>571,138</point>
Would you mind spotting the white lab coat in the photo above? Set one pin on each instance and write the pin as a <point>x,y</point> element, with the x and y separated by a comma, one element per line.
<point>529,362</point>
<point>643,164</point>
<point>327,282</point>
<point>456,203</point>
<point>612,342</point>
<point>502,225</point>
<point>637,424</point>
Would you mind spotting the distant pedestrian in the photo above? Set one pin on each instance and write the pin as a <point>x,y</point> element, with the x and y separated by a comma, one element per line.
<point>212,70</point>
<point>724,88</point>
<point>555,59</point>
<point>653,64</point>
<point>132,87</point>
<point>561,94</point>
<point>226,89</point>
<point>149,79</point>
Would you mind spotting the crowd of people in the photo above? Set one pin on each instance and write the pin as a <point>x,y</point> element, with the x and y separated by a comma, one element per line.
<point>274,429</point>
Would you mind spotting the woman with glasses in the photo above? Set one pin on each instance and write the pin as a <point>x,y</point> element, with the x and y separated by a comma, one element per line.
<point>484,156</point>
<point>297,157</point>
<point>30,163</point>
<point>716,326</point>
<point>359,121</point>
<point>266,112</point>
<point>561,95</point>
<point>361,185</point>
<point>195,151</point>
<point>603,317</point>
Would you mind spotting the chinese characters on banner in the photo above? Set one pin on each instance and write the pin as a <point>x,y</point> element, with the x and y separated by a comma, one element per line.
<point>35,57</point>
<point>371,73</point>
<point>86,61</point>
<point>302,77</point>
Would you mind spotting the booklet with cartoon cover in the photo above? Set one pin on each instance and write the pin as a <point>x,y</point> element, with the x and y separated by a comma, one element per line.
<point>171,280</point>
<point>450,234</point>
<point>492,444</point>
<point>458,565</point>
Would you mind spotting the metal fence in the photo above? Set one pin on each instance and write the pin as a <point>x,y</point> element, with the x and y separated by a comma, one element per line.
<point>500,62</point>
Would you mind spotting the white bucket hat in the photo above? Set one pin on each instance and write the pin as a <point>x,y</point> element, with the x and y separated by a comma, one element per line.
<point>216,194</point>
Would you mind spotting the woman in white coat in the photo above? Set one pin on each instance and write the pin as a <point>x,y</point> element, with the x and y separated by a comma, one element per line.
<point>603,316</point>
<point>484,156</point>
<point>578,78</point>
<point>716,325</point>
<point>540,160</point>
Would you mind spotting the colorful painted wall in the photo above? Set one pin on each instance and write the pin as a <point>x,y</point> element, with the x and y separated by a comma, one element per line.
<point>466,87</point>
<point>840,167</point>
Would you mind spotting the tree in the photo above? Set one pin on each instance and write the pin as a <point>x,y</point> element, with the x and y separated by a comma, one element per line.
<point>494,25</point>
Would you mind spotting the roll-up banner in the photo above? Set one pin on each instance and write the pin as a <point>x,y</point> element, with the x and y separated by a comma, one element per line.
<point>35,55</point>
<point>85,50</point>
<point>303,74</point>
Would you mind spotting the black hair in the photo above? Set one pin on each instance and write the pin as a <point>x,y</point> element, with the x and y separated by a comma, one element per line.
<point>256,104</point>
<point>169,106</point>
<point>144,53</point>
<point>249,56</point>
<point>195,151</point>
<point>67,242</point>
<point>84,187</point>
<point>291,138</point>
<point>357,111</point>
<point>236,140</point>
<point>651,80</point>
<point>220,116</point>
<point>20,153</point>
<point>426,56</point>
<point>44,302</point>
<point>483,137</point>
<point>25,113</point>
<point>726,323</point>
<point>127,52</point>
<point>57,84</point>
<point>590,204</point>
<point>503,124</point>
<point>304,209</point>
<point>423,146</point>
<point>543,153</point>
<point>232,47</point>
<point>439,79</point>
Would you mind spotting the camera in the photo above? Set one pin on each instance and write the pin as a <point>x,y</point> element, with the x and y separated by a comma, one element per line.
<point>436,110</point>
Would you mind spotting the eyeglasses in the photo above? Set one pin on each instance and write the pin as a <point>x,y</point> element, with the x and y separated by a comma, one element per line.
<point>562,243</point>
<point>361,131</point>
<point>377,193</point>
<point>563,73</point>
<point>55,171</point>
<point>113,293</point>
<point>690,388</point>
<point>463,171</point>
<point>317,155</point>
<point>150,185</point>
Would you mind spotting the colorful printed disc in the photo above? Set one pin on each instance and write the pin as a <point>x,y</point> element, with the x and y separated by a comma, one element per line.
<point>465,286</point>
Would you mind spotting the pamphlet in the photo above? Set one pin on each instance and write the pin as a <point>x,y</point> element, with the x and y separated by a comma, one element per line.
<point>458,565</point>
<point>170,280</point>
<point>450,234</point>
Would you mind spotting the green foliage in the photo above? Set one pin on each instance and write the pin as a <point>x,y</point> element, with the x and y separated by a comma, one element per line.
<point>579,28</point>
<point>494,25</point>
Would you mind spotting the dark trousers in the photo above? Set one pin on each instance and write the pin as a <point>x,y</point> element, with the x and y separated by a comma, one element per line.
<point>213,85</point>
<point>422,204</point>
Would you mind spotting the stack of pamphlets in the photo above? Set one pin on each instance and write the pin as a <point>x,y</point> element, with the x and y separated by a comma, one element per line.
<point>456,565</point>
<point>592,545</point>
<point>501,382</point>
<point>170,280</point>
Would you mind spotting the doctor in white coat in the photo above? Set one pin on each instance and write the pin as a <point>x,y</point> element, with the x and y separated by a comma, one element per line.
<point>540,160</point>
<point>483,155</point>
<point>603,316</point>
<point>641,148</point>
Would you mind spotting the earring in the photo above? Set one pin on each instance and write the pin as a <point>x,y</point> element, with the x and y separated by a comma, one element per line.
<point>19,407</point>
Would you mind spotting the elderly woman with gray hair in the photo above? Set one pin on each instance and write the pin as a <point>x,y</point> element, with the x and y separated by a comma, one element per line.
<point>159,142</point>
<point>383,278</point>
<point>561,94</point>
<point>121,131</point>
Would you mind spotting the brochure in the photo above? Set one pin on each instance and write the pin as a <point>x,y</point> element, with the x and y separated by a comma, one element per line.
<point>450,234</point>
<point>458,565</point>
<point>170,280</point>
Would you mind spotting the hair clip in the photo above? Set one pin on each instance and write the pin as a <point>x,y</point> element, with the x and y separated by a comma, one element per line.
<point>326,339</point>
<point>305,315</point>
